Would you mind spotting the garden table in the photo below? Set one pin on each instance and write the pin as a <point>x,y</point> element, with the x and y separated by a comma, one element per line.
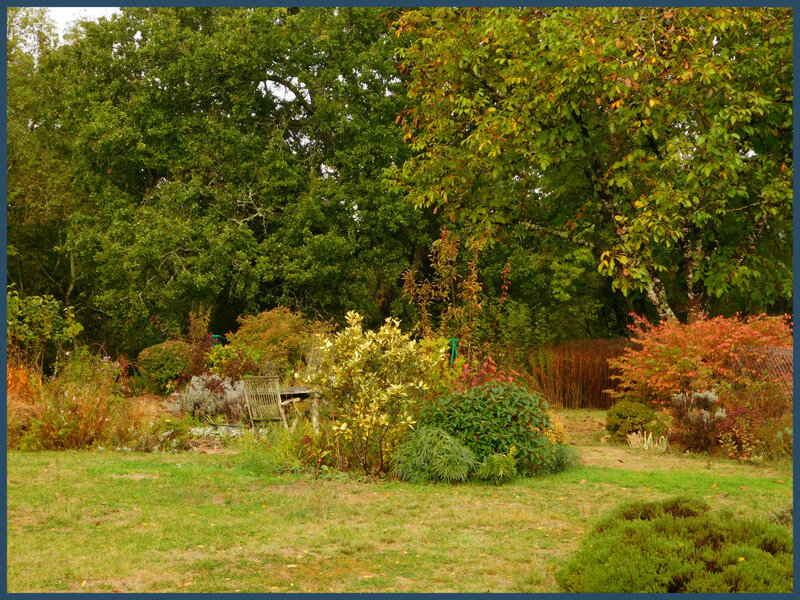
<point>299,393</point>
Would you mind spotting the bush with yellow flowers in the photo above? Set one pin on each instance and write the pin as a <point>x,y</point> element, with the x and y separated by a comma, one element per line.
<point>368,383</point>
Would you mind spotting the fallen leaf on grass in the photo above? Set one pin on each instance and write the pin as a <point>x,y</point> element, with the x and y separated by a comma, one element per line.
<point>291,566</point>
<point>582,481</point>
<point>744,487</point>
<point>714,485</point>
<point>780,481</point>
<point>83,583</point>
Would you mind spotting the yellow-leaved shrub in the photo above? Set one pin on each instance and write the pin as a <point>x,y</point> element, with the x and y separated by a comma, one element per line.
<point>369,382</point>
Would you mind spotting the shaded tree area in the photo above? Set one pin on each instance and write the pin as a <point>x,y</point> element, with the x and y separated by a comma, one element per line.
<point>208,156</point>
<point>166,159</point>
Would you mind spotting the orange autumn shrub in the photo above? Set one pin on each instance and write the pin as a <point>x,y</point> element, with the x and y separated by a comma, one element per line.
<point>681,358</point>
<point>23,386</point>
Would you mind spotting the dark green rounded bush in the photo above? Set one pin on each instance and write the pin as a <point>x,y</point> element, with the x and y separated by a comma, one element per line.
<point>679,545</point>
<point>626,417</point>
<point>164,362</point>
<point>431,454</point>
<point>493,417</point>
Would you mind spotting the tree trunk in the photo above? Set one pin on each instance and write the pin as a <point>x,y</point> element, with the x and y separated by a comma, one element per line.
<point>695,298</point>
<point>657,295</point>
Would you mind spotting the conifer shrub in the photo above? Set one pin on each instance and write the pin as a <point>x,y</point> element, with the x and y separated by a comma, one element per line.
<point>431,454</point>
<point>680,545</point>
<point>626,417</point>
<point>493,417</point>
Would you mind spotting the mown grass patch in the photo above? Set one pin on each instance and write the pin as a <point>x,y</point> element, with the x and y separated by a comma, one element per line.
<point>83,521</point>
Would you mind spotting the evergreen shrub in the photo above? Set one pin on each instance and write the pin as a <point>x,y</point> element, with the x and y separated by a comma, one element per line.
<point>680,545</point>
<point>493,417</point>
<point>626,417</point>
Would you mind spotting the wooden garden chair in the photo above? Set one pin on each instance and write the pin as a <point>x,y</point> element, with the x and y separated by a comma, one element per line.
<point>263,399</point>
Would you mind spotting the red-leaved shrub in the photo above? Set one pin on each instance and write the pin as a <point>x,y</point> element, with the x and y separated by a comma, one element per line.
<point>677,358</point>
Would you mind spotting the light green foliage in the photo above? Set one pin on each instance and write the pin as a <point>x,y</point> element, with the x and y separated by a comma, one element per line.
<point>498,468</point>
<point>34,323</point>
<point>431,454</point>
<point>679,545</point>
<point>272,452</point>
<point>369,381</point>
<point>653,138</point>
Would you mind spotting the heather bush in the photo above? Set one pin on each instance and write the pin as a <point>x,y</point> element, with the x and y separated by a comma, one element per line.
<point>369,382</point>
<point>431,454</point>
<point>626,417</point>
<point>212,396</point>
<point>676,358</point>
<point>493,417</point>
<point>680,545</point>
<point>164,363</point>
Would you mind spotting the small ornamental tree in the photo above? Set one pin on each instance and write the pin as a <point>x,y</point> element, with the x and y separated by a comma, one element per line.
<point>677,358</point>
<point>368,381</point>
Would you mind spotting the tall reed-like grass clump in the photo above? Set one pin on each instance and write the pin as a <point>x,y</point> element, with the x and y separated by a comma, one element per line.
<point>74,409</point>
<point>575,374</point>
<point>431,454</point>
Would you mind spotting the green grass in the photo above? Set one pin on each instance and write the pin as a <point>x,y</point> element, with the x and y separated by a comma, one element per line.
<point>101,521</point>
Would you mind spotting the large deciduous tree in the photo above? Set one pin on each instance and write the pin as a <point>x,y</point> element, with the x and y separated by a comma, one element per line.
<point>659,139</point>
<point>229,157</point>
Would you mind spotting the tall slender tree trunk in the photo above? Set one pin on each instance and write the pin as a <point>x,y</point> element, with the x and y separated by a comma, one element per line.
<point>657,295</point>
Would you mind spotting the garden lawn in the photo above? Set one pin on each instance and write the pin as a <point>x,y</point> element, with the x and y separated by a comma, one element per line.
<point>103,521</point>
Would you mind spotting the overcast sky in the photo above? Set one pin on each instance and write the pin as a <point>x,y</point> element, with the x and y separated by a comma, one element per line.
<point>64,15</point>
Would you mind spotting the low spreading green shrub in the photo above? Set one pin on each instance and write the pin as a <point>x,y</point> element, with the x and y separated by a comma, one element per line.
<point>166,434</point>
<point>274,451</point>
<point>563,458</point>
<point>431,454</point>
<point>163,363</point>
<point>493,417</point>
<point>627,416</point>
<point>679,545</point>
<point>498,468</point>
